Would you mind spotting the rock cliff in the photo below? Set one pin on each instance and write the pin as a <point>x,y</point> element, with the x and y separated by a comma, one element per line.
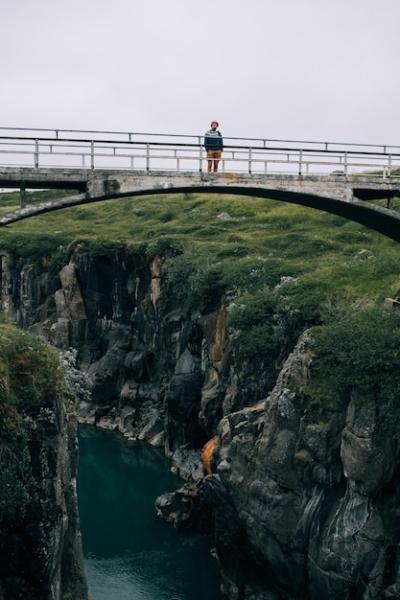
<point>311,493</point>
<point>40,545</point>
<point>303,496</point>
<point>158,372</point>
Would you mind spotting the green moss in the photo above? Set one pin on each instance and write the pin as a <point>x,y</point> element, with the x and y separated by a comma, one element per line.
<point>29,371</point>
<point>359,353</point>
<point>30,380</point>
<point>320,427</point>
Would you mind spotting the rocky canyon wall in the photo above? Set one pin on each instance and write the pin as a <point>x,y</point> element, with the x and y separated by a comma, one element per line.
<point>304,497</point>
<point>40,545</point>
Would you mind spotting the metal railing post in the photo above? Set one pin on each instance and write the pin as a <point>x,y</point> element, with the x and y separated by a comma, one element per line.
<point>250,158</point>
<point>200,155</point>
<point>22,195</point>
<point>389,170</point>
<point>147,158</point>
<point>300,162</point>
<point>92,154</point>
<point>345,163</point>
<point>36,157</point>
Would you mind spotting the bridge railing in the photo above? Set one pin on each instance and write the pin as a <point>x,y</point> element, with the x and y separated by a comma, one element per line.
<point>78,149</point>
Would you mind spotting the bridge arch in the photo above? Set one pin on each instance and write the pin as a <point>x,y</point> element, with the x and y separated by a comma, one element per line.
<point>374,217</point>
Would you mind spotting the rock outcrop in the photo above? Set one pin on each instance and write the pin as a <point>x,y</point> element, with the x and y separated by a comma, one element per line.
<point>158,372</point>
<point>312,494</point>
<point>40,545</point>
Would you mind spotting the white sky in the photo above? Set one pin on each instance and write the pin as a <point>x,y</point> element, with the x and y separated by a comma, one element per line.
<point>294,69</point>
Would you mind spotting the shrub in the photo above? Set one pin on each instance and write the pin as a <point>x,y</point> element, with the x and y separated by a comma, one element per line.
<point>29,369</point>
<point>204,282</point>
<point>268,322</point>
<point>360,352</point>
<point>164,246</point>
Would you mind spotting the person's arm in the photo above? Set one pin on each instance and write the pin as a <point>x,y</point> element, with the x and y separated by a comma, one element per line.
<point>206,142</point>
<point>221,141</point>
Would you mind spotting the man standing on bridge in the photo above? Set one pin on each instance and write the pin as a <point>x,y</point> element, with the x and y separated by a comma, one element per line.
<point>213,143</point>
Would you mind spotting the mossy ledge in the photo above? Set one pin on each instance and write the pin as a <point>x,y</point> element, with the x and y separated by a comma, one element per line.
<point>40,548</point>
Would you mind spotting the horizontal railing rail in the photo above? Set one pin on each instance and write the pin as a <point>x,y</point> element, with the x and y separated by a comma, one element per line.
<point>92,149</point>
<point>131,134</point>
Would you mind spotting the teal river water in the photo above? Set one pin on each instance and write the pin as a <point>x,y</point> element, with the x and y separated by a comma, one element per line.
<point>131,555</point>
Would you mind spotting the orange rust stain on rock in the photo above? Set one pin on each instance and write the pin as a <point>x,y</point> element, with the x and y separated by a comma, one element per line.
<point>155,285</point>
<point>207,454</point>
<point>221,334</point>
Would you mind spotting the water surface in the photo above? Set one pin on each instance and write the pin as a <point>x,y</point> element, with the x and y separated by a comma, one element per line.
<point>131,555</point>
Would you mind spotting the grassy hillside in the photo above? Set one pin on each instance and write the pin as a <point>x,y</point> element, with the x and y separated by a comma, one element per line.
<point>252,242</point>
<point>284,267</point>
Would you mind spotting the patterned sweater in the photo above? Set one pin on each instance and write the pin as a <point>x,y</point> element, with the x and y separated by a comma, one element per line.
<point>213,140</point>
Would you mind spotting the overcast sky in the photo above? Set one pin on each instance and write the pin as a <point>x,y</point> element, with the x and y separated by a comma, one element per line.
<point>294,69</point>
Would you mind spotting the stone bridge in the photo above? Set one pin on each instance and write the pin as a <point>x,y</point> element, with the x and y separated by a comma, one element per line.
<point>349,196</point>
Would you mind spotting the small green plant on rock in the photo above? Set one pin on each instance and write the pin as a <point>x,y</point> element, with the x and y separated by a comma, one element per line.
<point>360,352</point>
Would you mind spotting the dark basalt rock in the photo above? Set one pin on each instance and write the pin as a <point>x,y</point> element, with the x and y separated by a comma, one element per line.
<point>186,508</point>
<point>310,489</point>
<point>135,339</point>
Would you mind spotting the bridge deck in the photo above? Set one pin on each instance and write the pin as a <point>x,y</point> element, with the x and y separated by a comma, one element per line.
<point>338,178</point>
<point>148,151</point>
